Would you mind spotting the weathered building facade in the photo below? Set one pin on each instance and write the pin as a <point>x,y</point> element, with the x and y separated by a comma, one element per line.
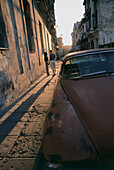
<point>74,36</point>
<point>96,29</point>
<point>26,31</point>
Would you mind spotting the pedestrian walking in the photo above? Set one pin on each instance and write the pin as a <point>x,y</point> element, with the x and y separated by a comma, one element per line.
<point>46,62</point>
<point>52,62</point>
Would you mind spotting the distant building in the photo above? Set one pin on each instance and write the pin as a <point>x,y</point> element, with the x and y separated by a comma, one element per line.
<point>26,31</point>
<point>96,29</point>
<point>74,36</point>
<point>60,44</point>
<point>82,40</point>
<point>66,49</point>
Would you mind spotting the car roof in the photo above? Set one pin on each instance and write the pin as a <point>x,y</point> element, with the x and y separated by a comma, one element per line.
<point>69,55</point>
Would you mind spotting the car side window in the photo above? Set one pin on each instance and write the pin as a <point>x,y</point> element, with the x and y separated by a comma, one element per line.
<point>69,70</point>
<point>88,64</point>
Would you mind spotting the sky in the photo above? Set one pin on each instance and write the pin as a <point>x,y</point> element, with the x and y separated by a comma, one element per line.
<point>67,12</point>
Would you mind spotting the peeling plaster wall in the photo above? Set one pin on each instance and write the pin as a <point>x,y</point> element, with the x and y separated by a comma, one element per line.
<point>6,83</point>
<point>18,66</point>
<point>106,21</point>
<point>100,32</point>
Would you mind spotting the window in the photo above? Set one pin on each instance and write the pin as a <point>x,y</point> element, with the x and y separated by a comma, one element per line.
<point>29,26</point>
<point>41,36</point>
<point>92,44</point>
<point>3,36</point>
<point>96,13</point>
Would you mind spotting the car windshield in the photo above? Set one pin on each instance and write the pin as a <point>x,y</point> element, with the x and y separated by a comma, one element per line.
<point>90,64</point>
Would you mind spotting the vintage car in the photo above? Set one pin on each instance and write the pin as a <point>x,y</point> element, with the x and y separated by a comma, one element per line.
<point>79,127</point>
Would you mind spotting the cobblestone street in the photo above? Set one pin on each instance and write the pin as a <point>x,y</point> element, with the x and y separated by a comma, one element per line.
<point>21,125</point>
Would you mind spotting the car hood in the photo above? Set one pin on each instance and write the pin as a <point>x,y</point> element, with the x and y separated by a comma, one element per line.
<point>80,122</point>
<point>93,101</point>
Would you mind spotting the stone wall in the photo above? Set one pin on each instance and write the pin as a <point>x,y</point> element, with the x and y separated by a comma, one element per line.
<point>6,83</point>
<point>21,62</point>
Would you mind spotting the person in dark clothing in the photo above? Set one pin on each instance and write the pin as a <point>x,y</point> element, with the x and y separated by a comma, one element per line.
<point>52,61</point>
<point>46,62</point>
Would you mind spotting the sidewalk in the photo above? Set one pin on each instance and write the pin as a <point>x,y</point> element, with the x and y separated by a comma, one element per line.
<point>21,127</point>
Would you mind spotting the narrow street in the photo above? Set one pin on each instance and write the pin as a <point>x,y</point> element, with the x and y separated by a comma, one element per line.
<point>21,124</point>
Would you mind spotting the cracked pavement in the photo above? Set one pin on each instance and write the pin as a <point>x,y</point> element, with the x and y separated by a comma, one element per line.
<point>21,124</point>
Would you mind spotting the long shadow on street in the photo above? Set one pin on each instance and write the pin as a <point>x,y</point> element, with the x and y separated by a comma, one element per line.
<point>3,112</point>
<point>7,126</point>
